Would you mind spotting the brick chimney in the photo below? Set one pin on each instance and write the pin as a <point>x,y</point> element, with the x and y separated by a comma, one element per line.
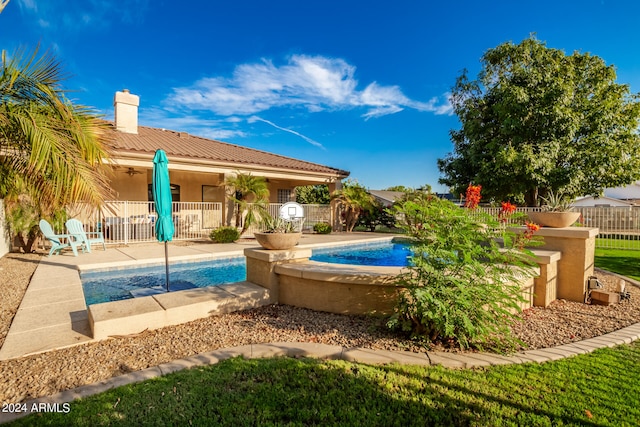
<point>126,111</point>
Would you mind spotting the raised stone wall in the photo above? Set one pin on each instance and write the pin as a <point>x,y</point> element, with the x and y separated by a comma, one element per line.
<point>577,247</point>
<point>336,288</point>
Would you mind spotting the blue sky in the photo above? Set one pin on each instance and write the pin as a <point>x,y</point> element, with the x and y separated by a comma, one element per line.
<point>357,85</point>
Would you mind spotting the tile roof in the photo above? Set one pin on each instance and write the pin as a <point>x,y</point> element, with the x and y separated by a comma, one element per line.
<point>185,146</point>
<point>386,197</point>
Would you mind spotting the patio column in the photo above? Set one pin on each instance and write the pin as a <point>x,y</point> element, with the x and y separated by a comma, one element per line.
<point>577,245</point>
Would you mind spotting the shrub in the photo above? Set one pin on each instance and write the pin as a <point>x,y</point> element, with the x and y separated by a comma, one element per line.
<point>461,286</point>
<point>375,216</point>
<point>225,235</point>
<point>322,228</point>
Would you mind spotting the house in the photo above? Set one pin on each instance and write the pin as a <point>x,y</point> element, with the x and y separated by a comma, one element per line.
<point>198,167</point>
<point>603,201</point>
<point>627,196</point>
<point>386,198</point>
<point>630,192</point>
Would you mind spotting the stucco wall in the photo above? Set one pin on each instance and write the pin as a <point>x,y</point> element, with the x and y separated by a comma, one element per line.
<point>135,187</point>
<point>5,240</point>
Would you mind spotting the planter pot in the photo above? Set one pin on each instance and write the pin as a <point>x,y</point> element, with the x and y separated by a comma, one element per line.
<point>554,219</point>
<point>277,240</point>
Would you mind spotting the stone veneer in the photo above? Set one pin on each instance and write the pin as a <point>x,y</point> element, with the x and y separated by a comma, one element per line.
<point>336,288</point>
<point>577,246</point>
<point>546,284</point>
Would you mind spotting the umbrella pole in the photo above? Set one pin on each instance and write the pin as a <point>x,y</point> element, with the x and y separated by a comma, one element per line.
<point>166,263</point>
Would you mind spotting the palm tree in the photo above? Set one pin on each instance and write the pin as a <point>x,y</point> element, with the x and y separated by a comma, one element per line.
<point>55,150</point>
<point>251,196</point>
<point>353,199</point>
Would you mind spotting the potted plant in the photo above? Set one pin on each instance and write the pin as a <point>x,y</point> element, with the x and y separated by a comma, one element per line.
<point>556,212</point>
<point>279,233</point>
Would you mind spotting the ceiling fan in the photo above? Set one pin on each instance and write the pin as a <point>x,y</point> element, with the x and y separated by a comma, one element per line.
<point>132,171</point>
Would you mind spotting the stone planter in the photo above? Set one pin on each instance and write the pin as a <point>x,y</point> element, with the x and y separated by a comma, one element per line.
<point>276,241</point>
<point>554,219</point>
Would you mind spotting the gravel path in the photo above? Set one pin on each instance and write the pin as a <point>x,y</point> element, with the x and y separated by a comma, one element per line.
<point>39,375</point>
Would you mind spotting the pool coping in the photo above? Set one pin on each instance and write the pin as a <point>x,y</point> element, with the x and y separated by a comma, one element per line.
<point>53,313</point>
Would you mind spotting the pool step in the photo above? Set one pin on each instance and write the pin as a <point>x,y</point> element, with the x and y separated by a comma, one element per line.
<point>165,309</point>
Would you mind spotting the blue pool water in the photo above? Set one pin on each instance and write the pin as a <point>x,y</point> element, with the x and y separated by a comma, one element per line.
<point>384,254</point>
<point>115,285</point>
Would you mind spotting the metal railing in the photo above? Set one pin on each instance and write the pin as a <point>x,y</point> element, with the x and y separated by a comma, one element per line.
<point>124,222</point>
<point>313,214</point>
<point>619,227</point>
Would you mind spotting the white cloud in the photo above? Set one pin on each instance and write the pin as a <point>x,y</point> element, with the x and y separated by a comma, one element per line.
<point>314,83</point>
<point>254,119</point>
<point>76,15</point>
<point>223,130</point>
<point>28,5</point>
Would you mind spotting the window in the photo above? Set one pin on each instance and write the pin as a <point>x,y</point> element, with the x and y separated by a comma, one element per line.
<point>209,193</point>
<point>285,195</point>
<point>175,192</point>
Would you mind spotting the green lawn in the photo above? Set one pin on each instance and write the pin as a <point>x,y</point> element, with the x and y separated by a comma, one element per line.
<point>625,262</point>
<point>601,389</point>
<point>621,243</point>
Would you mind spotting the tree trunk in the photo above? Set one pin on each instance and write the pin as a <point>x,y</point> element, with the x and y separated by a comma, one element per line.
<point>26,242</point>
<point>531,197</point>
<point>28,247</point>
<point>352,220</point>
<point>20,241</point>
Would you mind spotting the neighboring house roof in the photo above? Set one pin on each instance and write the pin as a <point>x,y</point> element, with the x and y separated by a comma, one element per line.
<point>629,192</point>
<point>387,198</point>
<point>601,201</point>
<point>181,145</point>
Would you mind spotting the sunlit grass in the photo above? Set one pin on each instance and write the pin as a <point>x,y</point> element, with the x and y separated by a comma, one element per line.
<point>601,388</point>
<point>624,262</point>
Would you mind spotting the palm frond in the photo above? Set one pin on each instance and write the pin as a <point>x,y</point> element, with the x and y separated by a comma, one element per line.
<point>63,149</point>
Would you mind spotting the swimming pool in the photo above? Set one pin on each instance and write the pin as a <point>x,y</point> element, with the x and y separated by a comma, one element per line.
<point>115,285</point>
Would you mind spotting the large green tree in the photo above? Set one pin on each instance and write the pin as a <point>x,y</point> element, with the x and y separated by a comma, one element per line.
<point>51,149</point>
<point>313,194</point>
<point>537,120</point>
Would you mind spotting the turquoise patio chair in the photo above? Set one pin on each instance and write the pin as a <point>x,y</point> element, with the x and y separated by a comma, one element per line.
<point>58,241</point>
<point>76,229</point>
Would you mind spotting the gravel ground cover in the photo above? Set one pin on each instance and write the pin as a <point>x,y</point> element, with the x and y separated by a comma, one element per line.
<point>47,373</point>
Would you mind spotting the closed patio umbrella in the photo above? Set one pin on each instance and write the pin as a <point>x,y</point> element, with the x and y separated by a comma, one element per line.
<point>162,198</point>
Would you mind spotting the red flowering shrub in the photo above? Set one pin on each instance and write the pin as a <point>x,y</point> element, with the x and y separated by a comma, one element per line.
<point>472,198</point>
<point>463,284</point>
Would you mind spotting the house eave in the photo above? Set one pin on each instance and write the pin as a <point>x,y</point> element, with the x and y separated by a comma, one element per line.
<point>144,160</point>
